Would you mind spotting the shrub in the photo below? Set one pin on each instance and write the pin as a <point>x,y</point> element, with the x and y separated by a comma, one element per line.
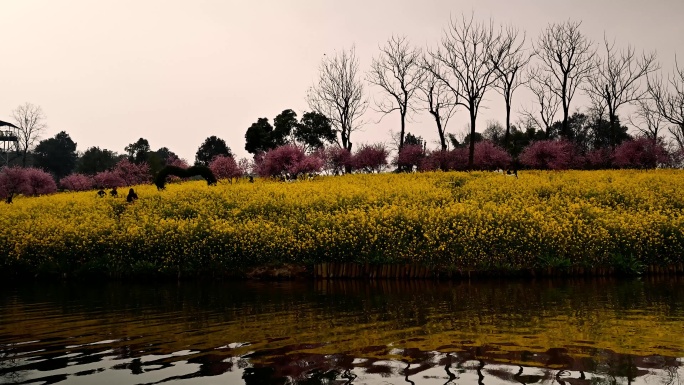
<point>598,159</point>
<point>288,161</point>
<point>108,179</point>
<point>336,159</point>
<point>311,164</point>
<point>456,159</point>
<point>640,153</point>
<point>12,181</point>
<point>549,154</point>
<point>132,173</point>
<point>175,161</point>
<point>39,182</point>
<point>225,167</point>
<point>77,182</point>
<point>370,158</point>
<point>488,156</point>
<point>410,156</point>
<point>27,181</point>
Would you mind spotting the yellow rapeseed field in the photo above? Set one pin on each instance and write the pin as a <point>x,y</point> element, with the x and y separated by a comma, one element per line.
<point>453,220</point>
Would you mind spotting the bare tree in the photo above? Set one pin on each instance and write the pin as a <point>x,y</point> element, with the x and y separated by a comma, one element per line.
<point>339,94</point>
<point>567,59</point>
<point>616,78</point>
<point>398,72</point>
<point>541,86</point>
<point>647,119</point>
<point>510,58</point>
<point>466,54</point>
<point>669,101</point>
<point>31,124</point>
<point>439,99</point>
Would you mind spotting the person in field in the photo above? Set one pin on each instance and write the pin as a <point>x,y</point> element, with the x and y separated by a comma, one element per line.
<point>132,196</point>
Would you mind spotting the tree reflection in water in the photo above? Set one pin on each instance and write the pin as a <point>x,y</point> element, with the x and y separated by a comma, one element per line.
<point>568,332</point>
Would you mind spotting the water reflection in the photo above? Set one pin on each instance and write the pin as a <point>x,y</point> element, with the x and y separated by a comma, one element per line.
<point>419,332</point>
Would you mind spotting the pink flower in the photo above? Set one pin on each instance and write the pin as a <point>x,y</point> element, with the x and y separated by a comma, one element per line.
<point>77,182</point>
<point>225,167</point>
<point>370,158</point>
<point>550,154</point>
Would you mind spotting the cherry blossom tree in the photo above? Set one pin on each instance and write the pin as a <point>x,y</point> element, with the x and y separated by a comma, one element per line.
<point>488,156</point>
<point>549,154</point>
<point>225,167</point>
<point>77,182</point>
<point>370,158</point>
<point>641,153</point>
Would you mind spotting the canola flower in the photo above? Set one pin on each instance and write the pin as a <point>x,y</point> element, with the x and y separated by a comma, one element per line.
<point>453,220</point>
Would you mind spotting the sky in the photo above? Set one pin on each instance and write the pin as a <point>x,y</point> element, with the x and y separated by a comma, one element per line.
<point>175,72</point>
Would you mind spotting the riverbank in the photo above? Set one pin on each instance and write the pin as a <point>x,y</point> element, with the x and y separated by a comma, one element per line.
<point>452,224</point>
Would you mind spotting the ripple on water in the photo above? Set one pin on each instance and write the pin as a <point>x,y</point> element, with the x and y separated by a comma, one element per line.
<point>122,333</point>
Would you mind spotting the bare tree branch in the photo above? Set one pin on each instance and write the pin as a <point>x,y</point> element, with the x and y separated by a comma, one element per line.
<point>339,94</point>
<point>616,79</point>
<point>398,72</point>
<point>669,101</point>
<point>466,57</point>
<point>440,101</point>
<point>509,58</point>
<point>567,59</point>
<point>647,119</point>
<point>31,122</point>
<point>541,85</point>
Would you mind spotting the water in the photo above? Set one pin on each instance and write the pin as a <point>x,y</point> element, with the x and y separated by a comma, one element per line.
<point>387,332</point>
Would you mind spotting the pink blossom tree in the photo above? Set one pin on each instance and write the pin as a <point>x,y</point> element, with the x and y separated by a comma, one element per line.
<point>409,157</point>
<point>640,153</point>
<point>370,158</point>
<point>108,179</point>
<point>131,173</point>
<point>549,154</point>
<point>175,161</point>
<point>77,182</point>
<point>39,182</point>
<point>489,156</point>
<point>600,158</point>
<point>456,159</point>
<point>12,182</point>
<point>310,164</point>
<point>225,167</point>
<point>336,159</point>
<point>288,161</point>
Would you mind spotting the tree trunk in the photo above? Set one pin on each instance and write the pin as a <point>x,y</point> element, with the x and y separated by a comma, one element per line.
<point>471,152</point>
<point>507,137</point>
<point>440,131</point>
<point>403,130</point>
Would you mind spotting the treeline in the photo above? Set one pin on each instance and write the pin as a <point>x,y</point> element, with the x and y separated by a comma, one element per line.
<point>472,60</point>
<point>476,58</point>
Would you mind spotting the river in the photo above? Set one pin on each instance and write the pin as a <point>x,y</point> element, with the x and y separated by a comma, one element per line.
<point>565,332</point>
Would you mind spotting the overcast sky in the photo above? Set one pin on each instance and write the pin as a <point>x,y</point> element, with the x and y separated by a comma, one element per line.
<point>176,72</point>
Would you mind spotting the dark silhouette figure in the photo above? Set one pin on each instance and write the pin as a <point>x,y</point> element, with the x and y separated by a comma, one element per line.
<point>132,196</point>
<point>204,172</point>
<point>513,172</point>
<point>251,179</point>
<point>9,199</point>
<point>114,193</point>
<point>101,193</point>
